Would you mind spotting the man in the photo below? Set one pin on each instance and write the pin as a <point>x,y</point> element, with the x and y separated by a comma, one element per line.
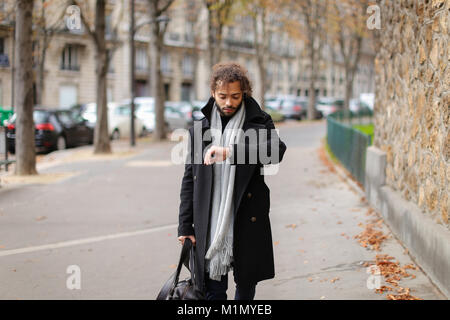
<point>224,207</point>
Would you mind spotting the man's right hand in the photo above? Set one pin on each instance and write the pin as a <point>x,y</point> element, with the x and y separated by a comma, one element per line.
<point>181,239</point>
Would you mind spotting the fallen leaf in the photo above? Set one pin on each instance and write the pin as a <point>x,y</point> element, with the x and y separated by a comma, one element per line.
<point>293,226</point>
<point>276,243</point>
<point>300,238</point>
<point>172,266</point>
<point>334,280</point>
<point>339,222</point>
<point>40,218</point>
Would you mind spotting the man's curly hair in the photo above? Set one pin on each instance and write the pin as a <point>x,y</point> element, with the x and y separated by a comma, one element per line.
<point>227,72</point>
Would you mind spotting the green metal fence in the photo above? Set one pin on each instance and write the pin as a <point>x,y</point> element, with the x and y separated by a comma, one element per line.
<point>348,145</point>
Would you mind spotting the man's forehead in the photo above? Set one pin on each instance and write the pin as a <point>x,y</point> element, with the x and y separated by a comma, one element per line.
<point>229,88</point>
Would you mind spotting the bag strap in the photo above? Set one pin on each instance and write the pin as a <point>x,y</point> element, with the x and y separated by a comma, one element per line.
<point>184,258</point>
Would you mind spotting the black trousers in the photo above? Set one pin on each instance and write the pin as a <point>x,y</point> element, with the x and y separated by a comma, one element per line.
<point>217,290</point>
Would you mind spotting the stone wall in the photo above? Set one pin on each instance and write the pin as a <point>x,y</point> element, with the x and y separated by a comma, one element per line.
<point>413,100</point>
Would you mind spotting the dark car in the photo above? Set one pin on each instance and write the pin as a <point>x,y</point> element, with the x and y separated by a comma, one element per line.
<point>54,130</point>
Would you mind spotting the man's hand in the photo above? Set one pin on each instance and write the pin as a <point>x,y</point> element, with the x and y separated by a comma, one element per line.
<point>181,239</point>
<point>216,154</point>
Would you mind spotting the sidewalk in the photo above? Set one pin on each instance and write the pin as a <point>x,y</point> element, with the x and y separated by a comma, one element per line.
<point>325,238</point>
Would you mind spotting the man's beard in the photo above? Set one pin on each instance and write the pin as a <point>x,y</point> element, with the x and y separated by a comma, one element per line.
<point>222,114</point>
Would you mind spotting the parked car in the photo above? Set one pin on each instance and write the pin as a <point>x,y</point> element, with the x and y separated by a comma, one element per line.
<point>292,107</point>
<point>274,114</point>
<point>119,124</point>
<point>182,106</point>
<point>145,111</point>
<point>55,129</point>
<point>329,105</point>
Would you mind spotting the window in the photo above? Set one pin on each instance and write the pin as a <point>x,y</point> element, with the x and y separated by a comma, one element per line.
<point>4,61</point>
<point>66,118</point>
<point>189,32</point>
<point>165,63</point>
<point>141,59</point>
<point>69,58</point>
<point>186,92</point>
<point>188,67</point>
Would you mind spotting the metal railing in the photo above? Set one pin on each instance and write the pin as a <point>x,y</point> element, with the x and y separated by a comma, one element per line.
<point>4,161</point>
<point>348,144</point>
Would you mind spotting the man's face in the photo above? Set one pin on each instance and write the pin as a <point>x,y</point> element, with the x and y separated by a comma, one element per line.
<point>228,97</point>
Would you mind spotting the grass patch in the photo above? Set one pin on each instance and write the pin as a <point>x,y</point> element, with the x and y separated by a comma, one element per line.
<point>365,128</point>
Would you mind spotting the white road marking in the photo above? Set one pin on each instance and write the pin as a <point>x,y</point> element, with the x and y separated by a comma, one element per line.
<point>70,243</point>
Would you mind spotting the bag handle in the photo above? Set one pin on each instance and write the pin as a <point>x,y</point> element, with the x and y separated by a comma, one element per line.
<point>184,258</point>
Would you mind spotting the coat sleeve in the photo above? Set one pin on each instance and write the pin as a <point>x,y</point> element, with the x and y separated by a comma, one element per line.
<point>259,150</point>
<point>186,212</point>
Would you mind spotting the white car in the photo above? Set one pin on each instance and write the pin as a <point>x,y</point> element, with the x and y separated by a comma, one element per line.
<point>119,124</point>
<point>145,111</point>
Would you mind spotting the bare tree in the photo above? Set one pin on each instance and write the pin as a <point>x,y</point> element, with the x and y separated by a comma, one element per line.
<point>260,12</point>
<point>314,15</point>
<point>44,32</point>
<point>218,16</point>
<point>25,141</point>
<point>104,51</point>
<point>349,29</point>
<point>156,12</point>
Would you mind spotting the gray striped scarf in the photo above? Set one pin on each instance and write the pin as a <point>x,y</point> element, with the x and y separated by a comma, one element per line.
<point>220,253</point>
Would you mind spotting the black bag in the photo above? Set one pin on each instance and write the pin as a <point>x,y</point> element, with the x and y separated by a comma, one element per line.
<point>185,289</point>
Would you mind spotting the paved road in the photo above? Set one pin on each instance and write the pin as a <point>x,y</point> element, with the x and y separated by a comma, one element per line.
<point>116,220</point>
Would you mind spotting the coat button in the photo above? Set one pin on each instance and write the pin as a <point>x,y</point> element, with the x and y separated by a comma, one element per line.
<point>249,195</point>
<point>253,219</point>
<point>195,177</point>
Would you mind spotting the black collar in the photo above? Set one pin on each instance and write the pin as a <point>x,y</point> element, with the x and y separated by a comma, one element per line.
<point>252,109</point>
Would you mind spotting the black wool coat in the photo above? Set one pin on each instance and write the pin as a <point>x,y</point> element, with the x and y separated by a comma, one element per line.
<point>252,242</point>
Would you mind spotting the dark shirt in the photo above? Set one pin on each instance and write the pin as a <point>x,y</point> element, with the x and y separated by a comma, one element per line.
<point>224,121</point>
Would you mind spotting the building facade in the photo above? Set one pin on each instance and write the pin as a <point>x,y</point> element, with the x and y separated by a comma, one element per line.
<point>69,70</point>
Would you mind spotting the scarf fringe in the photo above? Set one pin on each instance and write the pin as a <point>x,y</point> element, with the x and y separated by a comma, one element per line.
<point>220,263</point>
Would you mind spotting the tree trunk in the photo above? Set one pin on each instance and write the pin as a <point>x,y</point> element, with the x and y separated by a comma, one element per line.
<point>25,140</point>
<point>312,84</point>
<point>261,53</point>
<point>101,135</point>
<point>157,81</point>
